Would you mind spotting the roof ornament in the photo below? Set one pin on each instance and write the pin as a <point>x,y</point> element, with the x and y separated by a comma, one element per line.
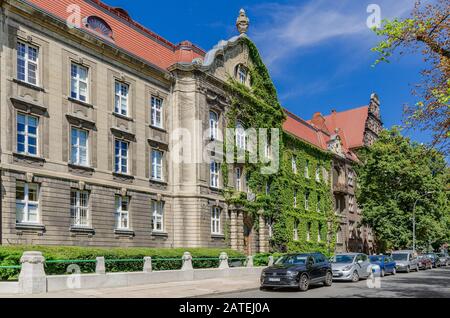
<point>242,22</point>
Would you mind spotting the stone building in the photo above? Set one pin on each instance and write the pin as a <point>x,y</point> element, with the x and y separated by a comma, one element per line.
<point>95,113</point>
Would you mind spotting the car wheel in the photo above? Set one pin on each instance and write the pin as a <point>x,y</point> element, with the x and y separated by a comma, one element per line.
<point>383,273</point>
<point>328,279</point>
<point>408,269</point>
<point>303,284</point>
<point>355,277</point>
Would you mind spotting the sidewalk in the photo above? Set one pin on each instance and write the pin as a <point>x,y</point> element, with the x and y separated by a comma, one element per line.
<point>165,290</point>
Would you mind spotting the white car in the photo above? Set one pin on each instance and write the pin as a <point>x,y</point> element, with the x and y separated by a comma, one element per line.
<point>351,266</point>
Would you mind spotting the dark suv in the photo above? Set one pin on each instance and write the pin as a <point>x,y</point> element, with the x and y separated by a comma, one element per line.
<point>299,271</point>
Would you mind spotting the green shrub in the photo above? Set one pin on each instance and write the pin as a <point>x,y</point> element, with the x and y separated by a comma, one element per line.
<point>263,258</point>
<point>162,258</point>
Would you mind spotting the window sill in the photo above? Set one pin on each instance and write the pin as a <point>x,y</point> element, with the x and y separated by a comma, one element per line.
<point>28,157</point>
<point>80,167</point>
<point>29,85</point>
<point>124,232</point>
<point>80,102</point>
<point>82,230</point>
<point>158,128</point>
<point>124,117</point>
<point>123,176</point>
<point>30,227</point>
<point>161,182</point>
<point>160,234</point>
<point>218,236</point>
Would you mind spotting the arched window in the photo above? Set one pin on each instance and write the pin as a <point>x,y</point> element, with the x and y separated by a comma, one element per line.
<point>98,25</point>
<point>241,73</point>
<point>240,135</point>
<point>213,125</point>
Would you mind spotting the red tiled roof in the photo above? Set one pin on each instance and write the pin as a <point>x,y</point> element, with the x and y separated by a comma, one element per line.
<point>127,34</point>
<point>351,123</point>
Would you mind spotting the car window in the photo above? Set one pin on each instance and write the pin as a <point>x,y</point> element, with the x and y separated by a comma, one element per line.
<point>320,258</point>
<point>364,257</point>
<point>310,260</point>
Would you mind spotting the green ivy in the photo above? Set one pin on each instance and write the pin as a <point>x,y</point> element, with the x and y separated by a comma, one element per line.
<point>259,107</point>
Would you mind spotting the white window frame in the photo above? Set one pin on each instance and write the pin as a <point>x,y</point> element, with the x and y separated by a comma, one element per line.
<point>238,177</point>
<point>27,135</point>
<point>214,171</point>
<point>318,174</point>
<point>216,228</point>
<point>308,231</point>
<point>295,198</point>
<point>120,97</point>
<point>120,213</point>
<point>350,178</point>
<point>27,62</point>
<point>351,203</point>
<point>157,216</point>
<point>118,167</point>
<point>307,194</point>
<point>240,136</point>
<point>157,106</point>
<point>294,164</point>
<point>26,202</point>
<point>242,74</point>
<point>213,125</point>
<point>77,80</point>
<point>307,169</point>
<point>78,161</point>
<point>270,228</point>
<point>296,224</point>
<point>157,165</point>
<point>78,209</point>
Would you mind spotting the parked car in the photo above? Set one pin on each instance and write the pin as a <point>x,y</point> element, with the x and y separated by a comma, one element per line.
<point>386,264</point>
<point>424,262</point>
<point>299,271</point>
<point>444,259</point>
<point>434,259</point>
<point>406,261</point>
<point>351,266</point>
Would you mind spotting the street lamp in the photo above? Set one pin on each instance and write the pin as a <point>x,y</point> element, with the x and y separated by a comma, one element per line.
<point>414,218</point>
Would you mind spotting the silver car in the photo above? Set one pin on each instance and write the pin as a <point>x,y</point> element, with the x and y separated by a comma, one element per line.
<point>406,261</point>
<point>444,259</point>
<point>351,266</point>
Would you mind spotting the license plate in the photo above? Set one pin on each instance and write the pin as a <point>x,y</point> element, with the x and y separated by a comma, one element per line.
<point>335,275</point>
<point>274,279</point>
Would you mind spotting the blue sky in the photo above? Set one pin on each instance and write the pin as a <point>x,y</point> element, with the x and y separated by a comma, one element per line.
<point>317,51</point>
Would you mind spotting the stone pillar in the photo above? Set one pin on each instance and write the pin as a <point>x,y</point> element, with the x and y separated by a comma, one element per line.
<point>223,261</point>
<point>240,231</point>
<point>187,262</point>
<point>147,264</point>
<point>271,261</point>
<point>249,261</point>
<point>263,237</point>
<point>100,265</point>
<point>32,279</point>
<point>233,230</point>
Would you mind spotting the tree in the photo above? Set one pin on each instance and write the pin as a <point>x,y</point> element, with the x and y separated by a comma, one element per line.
<point>427,31</point>
<point>395,174</point>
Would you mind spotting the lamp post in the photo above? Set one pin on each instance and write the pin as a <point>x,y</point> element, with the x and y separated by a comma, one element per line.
<point>414,218</point>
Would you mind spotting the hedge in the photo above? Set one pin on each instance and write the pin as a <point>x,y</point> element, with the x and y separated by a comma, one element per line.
<point>10,255</point>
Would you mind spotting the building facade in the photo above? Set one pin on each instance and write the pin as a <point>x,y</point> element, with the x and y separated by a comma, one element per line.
<point>96,112</point>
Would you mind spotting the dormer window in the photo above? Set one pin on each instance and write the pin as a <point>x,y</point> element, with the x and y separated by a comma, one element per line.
<point>99,26</point>
<point>241,74</point>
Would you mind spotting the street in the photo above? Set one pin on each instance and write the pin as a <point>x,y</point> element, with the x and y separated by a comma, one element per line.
<point>430,283</point>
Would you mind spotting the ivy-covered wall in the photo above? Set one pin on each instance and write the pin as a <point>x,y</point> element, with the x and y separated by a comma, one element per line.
<point>258,107</point>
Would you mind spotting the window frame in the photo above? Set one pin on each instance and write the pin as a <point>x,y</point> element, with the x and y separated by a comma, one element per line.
<point>294,164</point>
<point>157,166</point>
<point>213,125</point>
<point>119,96</point>
<point>214,174</point>
<point>77,146</point>
<point>238,179</point>
<point>119,212</point>
<point>216,226</point>
<point>241,142</point>
<point>26,202</point>
<point>242,74</point>
<point>78,80</point>
<point>308,231</point>
<point>27,62</point>
<point>296,225</point>
<point>27,135</point>
<point>156,109</point>
<point>157,216</point>
<point>78,208</point>
<point>119,157</point>
<point>307,197</point>
<point>307,176</point>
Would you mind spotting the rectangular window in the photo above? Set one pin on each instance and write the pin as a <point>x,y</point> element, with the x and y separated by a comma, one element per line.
<point>350,178</point>
<point>27,63</point>
<point>79,208</point>
<point>79,82</point>
<point>307,200</point>
<point>27,134</point>
<point>214,174</point>
<point>79,147</point>
<point>267,188</point>
<point>215,220</point>
<point>121,98</point>
<point>308,231</point>
<point>318,174</point>
<point>351,203</point>
<point>238,179</point>
<point>121,156</point>
<point>27,202</point>
<point>295,198</point>
<point>242,74</point>
<point>294,164</point>
<point>268,151</point>
<point>156,112</point>
<point>296,231</point>
<point>307,169</point>
<point>121,213</point>
<point>240,136</point>
<point>269,223</point>
<point>213,125</point>
<point>157,165</point>
<point>158,216</point>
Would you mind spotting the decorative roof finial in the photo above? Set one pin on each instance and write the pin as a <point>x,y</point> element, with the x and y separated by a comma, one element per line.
<point>242,22</point>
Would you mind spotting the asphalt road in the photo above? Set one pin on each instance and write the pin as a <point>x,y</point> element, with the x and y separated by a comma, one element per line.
<point>430,283</point>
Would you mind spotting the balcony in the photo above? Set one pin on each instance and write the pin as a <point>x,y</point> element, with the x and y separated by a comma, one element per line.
<point>340,188</point>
